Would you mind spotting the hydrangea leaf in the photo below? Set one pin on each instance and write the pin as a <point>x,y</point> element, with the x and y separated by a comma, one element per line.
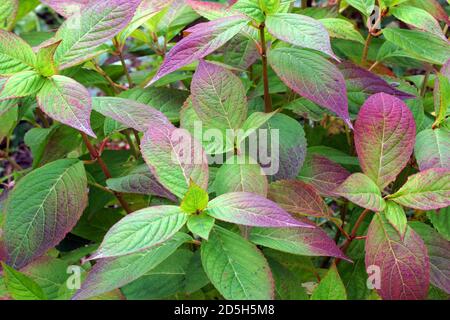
<point>201,224</point>
<point>21,84</point>
<point>384,137</point>
<point>139,180</point>
<point>441,221</point>
<point>300,241</point>
<point>364,6</point>
<point>20,286</point>
<point>45,62</point>
<point>195,200</point>
<point>342,29</point>
<point>300,30</point>
<point>250,209</point>
<point>98,22</point>
<point>8,13</point>
<point>15,54</point>
<point>218,96</point>
<point>432,149</point>
<point>66,101</point>
<point>314,78</point>
<point>240,173</point>
<point>439,253</point>
<point>298,198</point>
<point>141,230</point>
<point>111,273</point>
<point>441,94</point>
<point>403,263</point>
<point>396,216</point>
<point>40,212</point>
<point>67,8</point>
<point>330,287</point>
<point>322,173</point>
<point>204,39</point>
<point>175,158</point>
<point>130,113</point>
<point>360,189</point>
<point>236,267</point>
<point>426,190</point>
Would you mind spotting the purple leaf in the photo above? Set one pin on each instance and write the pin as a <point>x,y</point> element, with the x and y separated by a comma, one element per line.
<point>403,263</point>
<point>67,8</point>
<point>66,101</point>
<point>301,241</point>
<point>140,180</point>
<point>298,198</point>
<point>218,96</point>
<point>313,77</point>
<point>250,209</point>
<point>432,149</point>
<point>130,113</point>
<point>426,190</point>
<point>204,39</point>
<point>175,158</point>
<point>362,80</point>
<point>324,174</point>
<point>439,252</point>
<point>384,137</point>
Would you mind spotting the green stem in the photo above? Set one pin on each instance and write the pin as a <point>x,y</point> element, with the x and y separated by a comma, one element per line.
<point>267,99</point>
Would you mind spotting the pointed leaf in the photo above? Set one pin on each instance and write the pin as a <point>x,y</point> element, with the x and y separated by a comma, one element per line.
<point>360,189</point>
<point>236,267</point>
<point>300,30</point>
<point>432,149</point>
<point>21,84</point>
<point>20,286</point>
<point>313,77</point>
<point>240,173</point>
<point>68,102</point>
<point>301,241</point>
<point>396,216</point>
<point>364,6</point>
<point>67,8</point>
<point>201,224</point>
<point>441,221</point>
<point>330,287</point>
<point>250,209</point>
<point>139,180</point>
<point>384,137</point>
<point>175,158</point>
<point>45,62</point>
<point>403,263</point>
<point>141,230</point>
<point>41,211</point>
<point>439,252</point>
<point>204,39</point>
<point>15,54</point>
<point>111,273</point>
<point>426,190</point>
<point>441,95</point>
<point>322,173</point>
<point>298,198</point>
<point>218,96</point>
<point>342,29</point>
<point>195,200</point>
<point>130,113</point>
<point>97,22</point>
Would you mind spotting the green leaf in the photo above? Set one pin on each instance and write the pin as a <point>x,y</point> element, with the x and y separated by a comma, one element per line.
<point>254,122</point>
<point>420,45</point>
<point>236,267</point>
<point>140,230</point>
<point>8,12</point>
<point>441,97</point>
<point>396,216</point>
<point>417,18</point>
<point>8,121</point>
<point>441,221</point>
<point>45,63</point>
<point>15,54</point>
<point>250,8</point>
<point>195,200</point>
<point>330,287</point>
<point>112,273</point>
<point>21,84</point>
<point>342,29</point>
<point>42,208</point>
<point>83,33</point>
<point>68,102</point>
<point>301,31</point>
<point>426,190</point>
<point>432,149</point>
<point>364,6</point>
<point>240,173</point>
<point>201,224</point>
<point>360,189</point>
<point>21,287</point>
